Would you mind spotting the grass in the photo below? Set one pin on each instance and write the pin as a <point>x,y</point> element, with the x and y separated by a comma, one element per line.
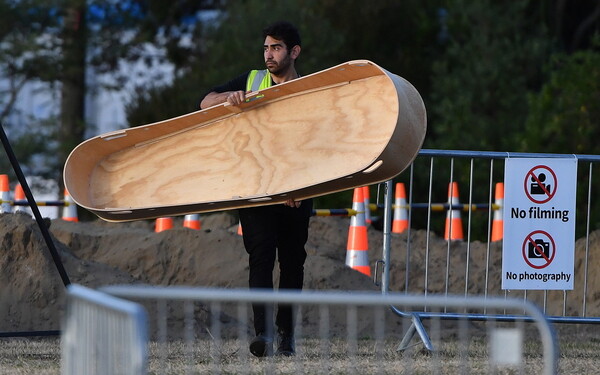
<point>579,355</point>
<point>30,356</point>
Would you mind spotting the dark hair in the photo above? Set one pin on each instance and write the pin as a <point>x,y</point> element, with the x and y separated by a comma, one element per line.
<point>285,31</point>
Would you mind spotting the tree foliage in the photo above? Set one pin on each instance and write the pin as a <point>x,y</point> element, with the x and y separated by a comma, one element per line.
<point>492,60</point>
<point>564,118</point>
<point>57,41</point>
<point>564,115</point>
<point>498,76</point>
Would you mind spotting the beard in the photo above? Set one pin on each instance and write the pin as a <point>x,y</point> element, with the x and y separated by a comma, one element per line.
<point>279,68</point>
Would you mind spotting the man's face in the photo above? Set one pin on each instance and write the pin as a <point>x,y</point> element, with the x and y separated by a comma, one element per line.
<point>277,56</point>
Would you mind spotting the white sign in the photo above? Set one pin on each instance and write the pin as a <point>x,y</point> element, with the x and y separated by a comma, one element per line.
<point>539,223</point>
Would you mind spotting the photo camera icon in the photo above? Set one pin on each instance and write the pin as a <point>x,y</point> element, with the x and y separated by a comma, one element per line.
<point>534,249</point>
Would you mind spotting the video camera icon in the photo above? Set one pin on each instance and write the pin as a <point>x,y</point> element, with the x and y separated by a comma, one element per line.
<point>539,188</point>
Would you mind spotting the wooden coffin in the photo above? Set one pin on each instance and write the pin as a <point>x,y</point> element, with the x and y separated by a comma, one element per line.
<point>351,125</point>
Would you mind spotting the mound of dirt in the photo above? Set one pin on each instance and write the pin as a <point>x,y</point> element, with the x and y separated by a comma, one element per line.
<point>98,253</point>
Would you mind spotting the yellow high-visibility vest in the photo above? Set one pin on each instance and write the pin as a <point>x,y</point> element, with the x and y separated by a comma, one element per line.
<point>258,80</point>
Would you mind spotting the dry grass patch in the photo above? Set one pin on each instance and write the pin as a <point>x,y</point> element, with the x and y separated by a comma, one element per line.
<point>579,355</point>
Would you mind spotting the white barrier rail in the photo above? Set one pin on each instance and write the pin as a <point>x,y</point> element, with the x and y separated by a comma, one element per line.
<point>199,330</point>
<point>102,334</point>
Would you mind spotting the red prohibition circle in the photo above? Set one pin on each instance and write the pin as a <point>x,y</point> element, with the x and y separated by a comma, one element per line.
<point>530,173</point>
<point>526,242</point>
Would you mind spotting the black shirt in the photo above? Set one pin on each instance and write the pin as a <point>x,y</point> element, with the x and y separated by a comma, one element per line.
<point>236,84</point>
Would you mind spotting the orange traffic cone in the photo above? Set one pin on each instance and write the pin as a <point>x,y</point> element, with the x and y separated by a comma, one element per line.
<point>239,230</point>
<point>163,223</point>
<point>70,209</point>
<point>366,199</point>
<point>400,223</point>
<point>454,230</point>
<point>357,257</point>
<point>5,194</point>
<point>20,196</point>
<point>192,221</point>
<point>498,223</point>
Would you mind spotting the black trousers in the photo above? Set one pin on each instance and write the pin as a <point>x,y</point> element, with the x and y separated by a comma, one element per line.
<point>271,232</point>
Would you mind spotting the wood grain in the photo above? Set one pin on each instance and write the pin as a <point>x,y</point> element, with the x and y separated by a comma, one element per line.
<point>304,138</point>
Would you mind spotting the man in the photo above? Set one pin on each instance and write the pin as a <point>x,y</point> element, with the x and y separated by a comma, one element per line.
<point>277,230</point>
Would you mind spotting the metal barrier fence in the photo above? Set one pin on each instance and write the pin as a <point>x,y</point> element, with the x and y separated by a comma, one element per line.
<point>196,330</point>
<point>561,306</point>
<point>102,334</point>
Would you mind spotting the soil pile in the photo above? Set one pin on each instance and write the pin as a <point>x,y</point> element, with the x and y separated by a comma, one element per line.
<point>98,253</point>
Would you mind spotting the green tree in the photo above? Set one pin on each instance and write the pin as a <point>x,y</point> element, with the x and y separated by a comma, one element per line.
<point>480,83</point>
<point>28,52</point>
<point>565,118</point>
<point>72,76</point>
<point>564,115</point>
<point>57,41</point>
<point>400,36</point>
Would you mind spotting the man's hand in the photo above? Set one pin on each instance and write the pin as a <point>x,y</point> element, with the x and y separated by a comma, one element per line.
<point>236,97</point>
<point>292,203</point>
<point>231,97</point>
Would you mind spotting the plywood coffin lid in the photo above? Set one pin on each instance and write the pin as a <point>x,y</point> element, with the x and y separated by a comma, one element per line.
<point>350,125</point>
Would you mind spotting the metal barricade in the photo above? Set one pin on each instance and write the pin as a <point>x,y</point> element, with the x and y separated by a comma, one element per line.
<point>571,308</point>
<point>200,330</point>
<point>102,334</point>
